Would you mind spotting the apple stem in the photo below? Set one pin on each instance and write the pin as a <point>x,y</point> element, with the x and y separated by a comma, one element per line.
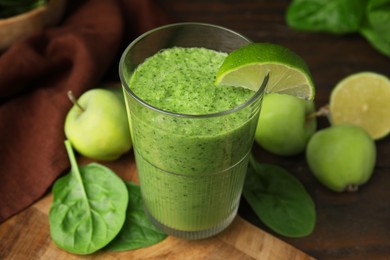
<point>323,111</point>
<point>352,188</point>
<point>74,101</point>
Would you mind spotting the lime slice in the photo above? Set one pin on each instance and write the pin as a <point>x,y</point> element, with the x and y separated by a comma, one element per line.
<point>362,99</point>
<point>247,67</point>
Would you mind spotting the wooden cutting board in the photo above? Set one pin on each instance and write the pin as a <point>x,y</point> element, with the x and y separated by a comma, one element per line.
<point>27,236</point>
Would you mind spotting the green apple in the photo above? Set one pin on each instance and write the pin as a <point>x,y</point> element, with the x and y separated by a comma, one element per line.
<point>97,125</point>
<point>341,157</point>
<point>284,127</point>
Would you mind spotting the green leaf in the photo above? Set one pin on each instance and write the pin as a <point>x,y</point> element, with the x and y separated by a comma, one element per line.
<point>138,231</point>
<point>89,207</point>
<point>376,28</point>
<point>279,200</point>
<point>334,16</point>
<point>376,39</point>
<point>378,15</point>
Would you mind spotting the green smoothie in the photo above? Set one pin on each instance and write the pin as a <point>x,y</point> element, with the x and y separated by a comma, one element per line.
<point>191,161</point>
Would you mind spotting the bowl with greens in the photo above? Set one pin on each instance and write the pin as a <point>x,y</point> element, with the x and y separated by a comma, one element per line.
<point>22,18</point>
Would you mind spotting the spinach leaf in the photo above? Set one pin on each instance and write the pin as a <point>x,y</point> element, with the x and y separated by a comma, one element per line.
<point>369,17</point>
<point>89,207</point>
<point>376,28</point>
<point>334,16</point>
<point>279,200</point>
<point>137,231</point>
<point>378,15</point>
<point>377,40</point>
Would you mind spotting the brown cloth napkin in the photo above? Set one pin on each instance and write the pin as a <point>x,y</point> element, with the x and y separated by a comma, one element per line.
<point>36,74</point>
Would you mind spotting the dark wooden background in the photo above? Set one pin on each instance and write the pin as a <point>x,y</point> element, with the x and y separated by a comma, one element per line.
<point>349,225</point>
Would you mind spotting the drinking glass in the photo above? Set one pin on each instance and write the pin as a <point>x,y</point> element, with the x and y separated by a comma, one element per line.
<point>191,168</point>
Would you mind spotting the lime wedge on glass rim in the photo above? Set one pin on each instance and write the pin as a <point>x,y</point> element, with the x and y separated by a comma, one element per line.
<point>362,99</point>
<point>248,66</point>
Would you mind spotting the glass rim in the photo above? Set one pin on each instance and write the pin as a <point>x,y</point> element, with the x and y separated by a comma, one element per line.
<point>241,106</point>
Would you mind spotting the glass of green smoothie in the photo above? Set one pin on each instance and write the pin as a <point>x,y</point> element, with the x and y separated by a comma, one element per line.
<point>191,139</point>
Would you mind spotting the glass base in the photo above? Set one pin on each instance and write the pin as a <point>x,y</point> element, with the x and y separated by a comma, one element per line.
<point>193,235</point>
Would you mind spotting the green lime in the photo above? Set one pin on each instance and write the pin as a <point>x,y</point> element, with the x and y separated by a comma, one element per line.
<point>362,99</point>
<point>247,67</point>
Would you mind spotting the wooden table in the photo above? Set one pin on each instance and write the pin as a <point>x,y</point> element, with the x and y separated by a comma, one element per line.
<point>349,225</point>
<point>26,236</point>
